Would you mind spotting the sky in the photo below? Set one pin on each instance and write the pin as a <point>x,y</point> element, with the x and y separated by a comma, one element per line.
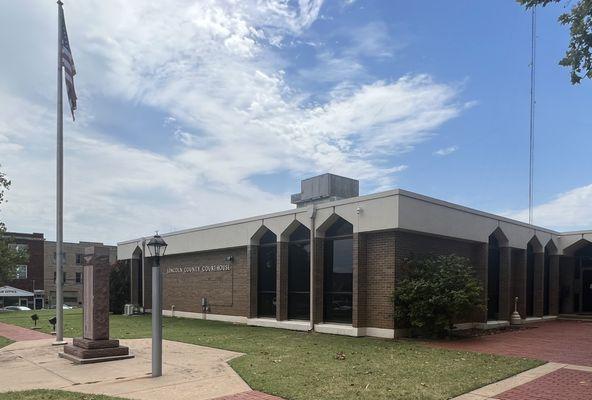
<point>198,112</point>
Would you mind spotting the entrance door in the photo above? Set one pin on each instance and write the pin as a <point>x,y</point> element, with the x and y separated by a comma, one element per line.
<point>39,303</point>
<point>587,290</point>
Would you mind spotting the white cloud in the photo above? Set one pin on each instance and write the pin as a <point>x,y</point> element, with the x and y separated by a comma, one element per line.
<point>567,211</point>
<point>213,68</point>
<point>373,40</point>
<point>446,151</point>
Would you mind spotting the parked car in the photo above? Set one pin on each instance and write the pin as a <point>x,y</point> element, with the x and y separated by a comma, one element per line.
<point>64,307</point>
<point>16,308</point>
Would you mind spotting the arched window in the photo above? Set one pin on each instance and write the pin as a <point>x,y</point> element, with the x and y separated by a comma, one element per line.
<point>493,279</point>
<point>299,274</point>
<point>547,274</point>
<point>266,275</point>
<point>338,274</point>
<point>529,280</point>
<point>137,278</point>
<point>583,273</point>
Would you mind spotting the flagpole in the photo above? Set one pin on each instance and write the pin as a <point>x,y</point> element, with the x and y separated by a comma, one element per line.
<point>59,192</point>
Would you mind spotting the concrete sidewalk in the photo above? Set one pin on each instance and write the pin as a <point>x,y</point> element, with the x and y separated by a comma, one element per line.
<point>189,372</point>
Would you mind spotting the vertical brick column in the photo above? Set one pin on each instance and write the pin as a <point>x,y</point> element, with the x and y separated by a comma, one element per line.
<point>282,281</point>
<point>554,285</point>
<point>480,259</point>
<point>252,259</point>
<point>359,281</point>
<point>539,284</point>
<point>506,301</point>
<point>318,270</point>
<point>519,280</point>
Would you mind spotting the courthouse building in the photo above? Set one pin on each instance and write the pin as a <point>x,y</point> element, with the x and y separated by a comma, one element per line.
<point>332,263</point>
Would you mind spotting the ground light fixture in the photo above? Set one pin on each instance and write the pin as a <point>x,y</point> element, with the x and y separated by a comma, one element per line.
<point>157,247</point>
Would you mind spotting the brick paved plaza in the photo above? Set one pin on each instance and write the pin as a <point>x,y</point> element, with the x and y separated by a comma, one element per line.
<point>567,345</point>
<point>568,342</point>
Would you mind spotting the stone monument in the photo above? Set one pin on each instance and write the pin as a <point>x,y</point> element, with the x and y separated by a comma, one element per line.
<point>95,345</point>
<point>516,319</point>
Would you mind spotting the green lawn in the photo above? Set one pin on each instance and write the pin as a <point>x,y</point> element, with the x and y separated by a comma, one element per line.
<point>298,365</point>
<point>4,342</point>
<point>53,395</point>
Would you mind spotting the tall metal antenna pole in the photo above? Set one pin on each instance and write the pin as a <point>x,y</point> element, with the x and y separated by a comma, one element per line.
<point>532,116</point>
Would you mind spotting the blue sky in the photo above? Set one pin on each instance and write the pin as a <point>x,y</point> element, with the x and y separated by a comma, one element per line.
<point>206,111</point>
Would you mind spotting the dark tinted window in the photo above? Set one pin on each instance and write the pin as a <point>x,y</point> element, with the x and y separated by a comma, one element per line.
<point>340,228</point>
<point>299,274</point>
<point>338,277</point>
<point>266,275</point>
<point>268,238</point>
<point>529,280</point>
<point>493,278</point>
<point>301,233</point>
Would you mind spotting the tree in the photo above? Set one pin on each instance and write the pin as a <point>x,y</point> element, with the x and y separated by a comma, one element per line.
<point>10,257</point>
<point>436,293</point>
<point>119,287</point>
<point>578,55</point>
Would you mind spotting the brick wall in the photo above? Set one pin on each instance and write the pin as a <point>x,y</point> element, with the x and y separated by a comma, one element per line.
<point>282,281</point>
<point>227,292</point>
<point>379,285</point>
<point>318,269</point>
<point>252,260</point>
<point>35,270</point>
<point>409,245</point>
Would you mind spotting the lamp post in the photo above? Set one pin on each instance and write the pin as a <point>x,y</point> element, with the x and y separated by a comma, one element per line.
<point>157,247</point>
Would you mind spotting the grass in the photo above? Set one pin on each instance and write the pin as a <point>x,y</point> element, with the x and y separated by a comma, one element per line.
<point>4,342</point>
<point>297,365</point>
<point>53,395</point>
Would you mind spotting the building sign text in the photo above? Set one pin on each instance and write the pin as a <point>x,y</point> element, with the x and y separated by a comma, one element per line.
<point>201,268</point>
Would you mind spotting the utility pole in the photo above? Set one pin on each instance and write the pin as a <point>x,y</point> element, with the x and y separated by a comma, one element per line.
<point>532,116</point>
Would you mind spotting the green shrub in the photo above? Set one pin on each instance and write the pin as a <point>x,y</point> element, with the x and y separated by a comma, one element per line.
<point>436,291</point>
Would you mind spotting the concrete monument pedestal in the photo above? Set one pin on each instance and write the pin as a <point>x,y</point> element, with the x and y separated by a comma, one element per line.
<point>95,345</point>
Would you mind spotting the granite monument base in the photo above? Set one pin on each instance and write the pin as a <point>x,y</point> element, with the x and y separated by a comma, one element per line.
<point>86,351</point>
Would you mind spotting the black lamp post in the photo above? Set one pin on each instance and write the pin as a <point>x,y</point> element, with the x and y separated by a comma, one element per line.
<point>157,247</point>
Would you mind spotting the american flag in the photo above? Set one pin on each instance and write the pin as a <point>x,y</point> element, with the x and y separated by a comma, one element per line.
<point>68,64</point>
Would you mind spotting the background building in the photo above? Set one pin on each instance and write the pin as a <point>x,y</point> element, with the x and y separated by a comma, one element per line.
<point>29,276</point>
<point>72,275</point>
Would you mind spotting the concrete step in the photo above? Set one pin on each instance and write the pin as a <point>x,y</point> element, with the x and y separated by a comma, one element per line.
<point>576,317</point>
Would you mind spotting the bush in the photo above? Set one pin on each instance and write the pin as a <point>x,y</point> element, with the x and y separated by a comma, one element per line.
<point>119,287</point>
<point>435,293</point>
